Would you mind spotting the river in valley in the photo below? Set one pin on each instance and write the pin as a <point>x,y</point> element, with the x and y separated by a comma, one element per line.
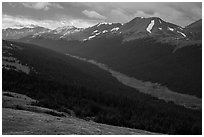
<point>146,87</point>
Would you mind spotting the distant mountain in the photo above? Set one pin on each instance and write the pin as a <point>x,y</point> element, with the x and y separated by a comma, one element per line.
<point>98,30</point>
<point>58,33</point>
<point>80,34</point>
<point>65,30</point>
<point>153,27</point>
<point>18,32</point>
<point>135,29</point>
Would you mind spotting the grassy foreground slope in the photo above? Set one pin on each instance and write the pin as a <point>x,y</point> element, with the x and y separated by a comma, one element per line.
<point>32,123</point>
<point>19,119</point>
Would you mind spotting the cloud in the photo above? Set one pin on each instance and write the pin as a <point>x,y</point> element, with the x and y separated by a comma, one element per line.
<point>12,4</point>
<point>119,15</point>
<point>191,11</point>
<point>181,13</point>
<point>10,21</point>
<point>41,5</point>
<point>93,14</point>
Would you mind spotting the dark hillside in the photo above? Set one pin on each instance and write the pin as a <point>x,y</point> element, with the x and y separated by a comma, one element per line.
<point>148,60</point>
<point>145,59</point>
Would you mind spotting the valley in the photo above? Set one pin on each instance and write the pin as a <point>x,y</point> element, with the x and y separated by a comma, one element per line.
<point>153,89</point>
<point>130,49</point>
<point>148,60</point>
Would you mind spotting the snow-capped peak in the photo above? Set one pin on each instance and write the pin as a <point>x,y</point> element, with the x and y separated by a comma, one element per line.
<point>24,26</point>
<point>65,28</point>
<point>104,23</point>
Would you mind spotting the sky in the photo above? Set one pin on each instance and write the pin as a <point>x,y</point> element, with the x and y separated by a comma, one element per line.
<point>86,14</point>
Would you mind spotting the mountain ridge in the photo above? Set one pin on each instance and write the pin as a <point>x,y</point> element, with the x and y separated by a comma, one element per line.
<point>136,28</point>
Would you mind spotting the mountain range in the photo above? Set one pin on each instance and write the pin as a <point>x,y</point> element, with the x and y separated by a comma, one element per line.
<point>137,28</point>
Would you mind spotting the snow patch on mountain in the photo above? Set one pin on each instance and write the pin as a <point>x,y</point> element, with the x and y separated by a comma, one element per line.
<point>98,33</point>
<point>182,33</point>
<point>104,31</point>
<point>115,29</point>
<point>93,36</point>
<point>150,26</point>
<point>180,28</point>
<point>90,37</point>
<point>160,28</point>
<point>94,31</point>
<point>171,29</point>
